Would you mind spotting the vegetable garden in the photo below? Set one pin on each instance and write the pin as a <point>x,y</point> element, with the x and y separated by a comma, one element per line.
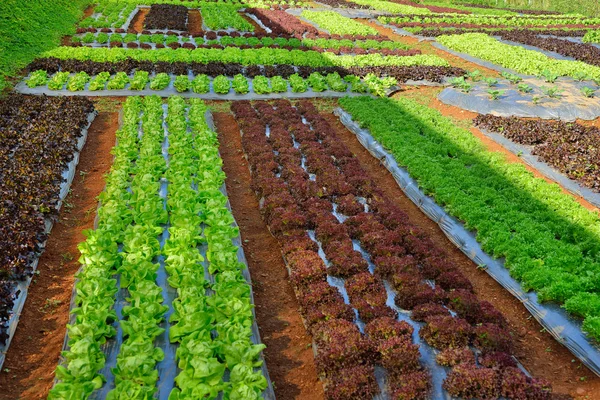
<point>290,199</point>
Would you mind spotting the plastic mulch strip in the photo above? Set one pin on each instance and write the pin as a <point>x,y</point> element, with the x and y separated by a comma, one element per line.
<point>553,318</point>
<point>167,368</point>
<point>21,290</point>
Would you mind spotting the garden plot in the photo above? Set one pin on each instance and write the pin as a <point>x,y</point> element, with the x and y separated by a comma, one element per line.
<point>34,191</point>
<point>360,268</point>
<point>165,247</point>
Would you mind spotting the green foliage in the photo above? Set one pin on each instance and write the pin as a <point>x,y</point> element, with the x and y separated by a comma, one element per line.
<point>515,57</point>
<point>495,94</point>
<point>182,83</point>
<point>139,80</point>
<point>550,242</point>
<point>28,28</point>
<point>224,16</point>
<point>337,24</point>
<point>240,84</point>
<point>514,79</point>
<point>588,92</point>
<point>221,84</point>
<point>37,78</point>
<point>525,88</point>
<point>278,84</point>
<point>201,84</point>
<point>160,81</point>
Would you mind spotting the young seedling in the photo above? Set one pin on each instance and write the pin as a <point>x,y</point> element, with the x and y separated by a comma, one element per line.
<point>491,82</point>
<point>536,99</point>
<point>475,76</point>
<point>549,76</point>
<point>580,76</point>
<point>525,88</point>
<point>588,92</point>
<point>553,91</point>
<point>495,94</point>
<point>514,79</point>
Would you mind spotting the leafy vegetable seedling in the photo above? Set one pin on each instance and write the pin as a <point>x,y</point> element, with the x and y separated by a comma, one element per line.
<point>495,94</point>
<point>475,76</point>
<point>514,79</point>
<point>588,92</point>
<point>491,82</point>
<point>552,92</point>
<point>525,88</point>
<point>549,76</point>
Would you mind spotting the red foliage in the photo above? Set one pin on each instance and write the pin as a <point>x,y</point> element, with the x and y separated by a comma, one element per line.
<point>412,386</point>
<point>399,355</point>
<point>357,382</point>
<point>306,267</point>
<point>471,382</point>
<point>455,356</point>
<point>424,311</point>
<point>340,345</point>
<point>385,328</point>
<point>442,332</point>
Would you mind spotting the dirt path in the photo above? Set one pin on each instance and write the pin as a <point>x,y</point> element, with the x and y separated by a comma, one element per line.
<point>195,22</point>
<point>289,354</point>
<point>537,350</point>
<point>28,371</point>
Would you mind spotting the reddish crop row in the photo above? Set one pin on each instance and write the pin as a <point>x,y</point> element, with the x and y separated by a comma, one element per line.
<point>438,31</point>
<point>579,51</point>
<point>39,138</point>
<point>302,172</point>
<point>166,16</point>
<point>339,51</point>
<point>402,74</point>
<point>282,23</point>
<point>571,148</point>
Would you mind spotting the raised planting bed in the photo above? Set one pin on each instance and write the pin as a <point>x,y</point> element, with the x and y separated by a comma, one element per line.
<point>536,232</point>
<point>40,146</point>
<point>368,280</point>
<point>167,16</point>
<point>163,303</point>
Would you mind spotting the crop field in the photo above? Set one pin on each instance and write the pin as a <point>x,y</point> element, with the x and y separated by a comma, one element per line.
<point>294,199</point>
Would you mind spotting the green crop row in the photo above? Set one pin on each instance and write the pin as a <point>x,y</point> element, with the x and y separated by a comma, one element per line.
<point>133,213</point>
<point>517,58</point>
<point>221,84</point>
<point>224,16</point>
<point>550,242</point>
<point>512,21</point>
<point>95,287</point>
<point>392,7</point>
<point>261,56</point>
<point>336,24</point>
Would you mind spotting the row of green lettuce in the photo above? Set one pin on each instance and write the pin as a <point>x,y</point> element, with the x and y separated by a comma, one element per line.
<point>585,7</point>
<point>28,28</point>
<point>517,58</point>
<point>261,56</point>
<point>221,84</point>
<point>493,20</point>
<point>133,213</point>
<point>114,14</point>
<point>550,242</point>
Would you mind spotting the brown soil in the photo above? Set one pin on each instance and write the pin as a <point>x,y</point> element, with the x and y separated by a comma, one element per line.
<point>257,27</point>
<point>137,24</point>
<point>288,354</point>
<point>536,349</point>
<point>88,11</point>
<point>464,118</point>
<point>194,22</point>
<point>427,48</point>
<point>28,371</point>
